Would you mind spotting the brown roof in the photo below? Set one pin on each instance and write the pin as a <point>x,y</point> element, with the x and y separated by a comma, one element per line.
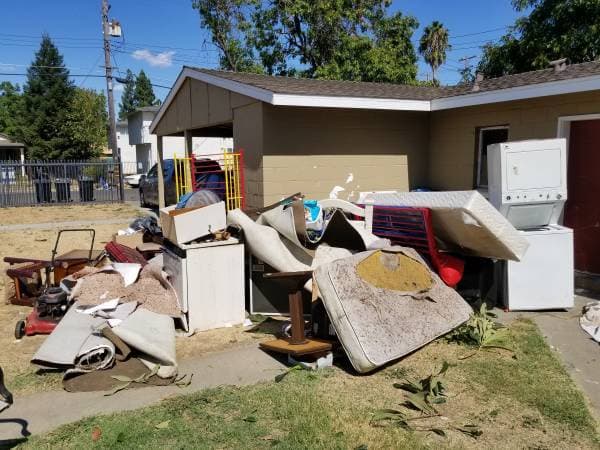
<point>307,86</point>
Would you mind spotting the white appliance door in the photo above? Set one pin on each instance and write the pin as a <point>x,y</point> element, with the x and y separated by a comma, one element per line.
<point>176,269</point>
<point>544,278</point>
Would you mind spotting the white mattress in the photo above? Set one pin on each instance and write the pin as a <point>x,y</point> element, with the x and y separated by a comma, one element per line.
<point>463,221</point>
<point>377,325</point>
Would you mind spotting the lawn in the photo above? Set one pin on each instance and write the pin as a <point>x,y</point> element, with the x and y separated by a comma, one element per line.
<point>527,401</point>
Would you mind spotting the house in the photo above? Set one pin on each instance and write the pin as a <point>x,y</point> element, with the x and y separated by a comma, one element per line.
<point>144,143</point>
<point>127,150</point>
<point>11,150</point>
<point>313,135</point>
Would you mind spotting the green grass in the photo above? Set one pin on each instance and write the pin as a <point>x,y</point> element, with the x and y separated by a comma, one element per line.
<point>527,402</point>
<point>535,378</point>
<point>286,415</point>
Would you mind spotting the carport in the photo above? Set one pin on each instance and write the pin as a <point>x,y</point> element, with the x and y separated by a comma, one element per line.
<point>303,135</point>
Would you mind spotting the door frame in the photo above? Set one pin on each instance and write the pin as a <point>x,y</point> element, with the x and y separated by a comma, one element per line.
<point>564,125</point>
<point>478,150</point>
<point>563,130</point>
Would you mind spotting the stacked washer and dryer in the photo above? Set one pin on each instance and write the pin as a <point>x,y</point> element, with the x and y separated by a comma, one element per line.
<point>527,182</point>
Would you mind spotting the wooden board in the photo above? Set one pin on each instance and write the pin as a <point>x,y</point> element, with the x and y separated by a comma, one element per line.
<point>283,346</point>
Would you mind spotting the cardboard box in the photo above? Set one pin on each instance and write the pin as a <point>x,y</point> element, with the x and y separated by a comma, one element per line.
<point>186,224</point>
<point>130,240</point>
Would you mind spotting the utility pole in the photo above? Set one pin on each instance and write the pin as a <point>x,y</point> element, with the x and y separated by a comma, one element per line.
<point>112,133</point>
<point>465,60</point>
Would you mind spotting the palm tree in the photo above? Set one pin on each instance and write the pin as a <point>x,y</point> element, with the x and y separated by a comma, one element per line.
<point>433,46</point>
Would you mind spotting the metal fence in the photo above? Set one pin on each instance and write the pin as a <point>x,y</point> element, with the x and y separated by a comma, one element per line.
<point>26,183</point>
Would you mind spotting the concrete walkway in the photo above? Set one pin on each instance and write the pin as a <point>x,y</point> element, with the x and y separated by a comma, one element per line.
<point>74,223</point>
<point>43,412</point>
<point>578,351</point>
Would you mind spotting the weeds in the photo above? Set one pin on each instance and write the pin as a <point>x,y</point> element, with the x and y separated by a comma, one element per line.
<point>482,332</point>
<point>421,396</point>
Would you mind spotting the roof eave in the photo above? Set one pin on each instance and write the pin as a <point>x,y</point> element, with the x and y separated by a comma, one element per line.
<point>568,86</point>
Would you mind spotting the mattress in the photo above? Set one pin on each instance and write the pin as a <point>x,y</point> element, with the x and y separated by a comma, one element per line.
<point>378,323</point>
<point>463,221</point>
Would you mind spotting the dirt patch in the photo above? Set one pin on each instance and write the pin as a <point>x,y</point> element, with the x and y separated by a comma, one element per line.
<point>47,214</point>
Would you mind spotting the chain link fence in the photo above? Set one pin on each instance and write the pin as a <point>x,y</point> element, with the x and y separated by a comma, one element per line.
<point>26,183</point>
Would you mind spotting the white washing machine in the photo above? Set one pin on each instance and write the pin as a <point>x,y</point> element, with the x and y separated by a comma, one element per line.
<point>544,278</point>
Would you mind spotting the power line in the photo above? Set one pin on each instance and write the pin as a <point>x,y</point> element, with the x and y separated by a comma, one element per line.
<point>9,74</point>
<point>91,70</point>
<point>481,32</point>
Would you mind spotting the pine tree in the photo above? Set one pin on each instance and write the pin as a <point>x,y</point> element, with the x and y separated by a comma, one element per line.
<point>144,95</point>
<point>47,97</point>
<point>127,104</point>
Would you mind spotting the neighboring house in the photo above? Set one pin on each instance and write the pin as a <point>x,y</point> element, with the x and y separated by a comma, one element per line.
<point>11,150</point>
<point>145,143</point>
<point>128,156</point>
<point>313,135</point>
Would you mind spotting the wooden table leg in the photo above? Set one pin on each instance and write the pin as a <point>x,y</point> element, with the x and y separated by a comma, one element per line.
<point>297,316</point>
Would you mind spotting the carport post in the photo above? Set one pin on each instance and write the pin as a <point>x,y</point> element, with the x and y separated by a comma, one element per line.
<point>189,149</point>
<point>161,180</point>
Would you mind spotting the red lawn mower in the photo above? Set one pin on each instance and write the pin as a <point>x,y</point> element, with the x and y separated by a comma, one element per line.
<point>50,307</point>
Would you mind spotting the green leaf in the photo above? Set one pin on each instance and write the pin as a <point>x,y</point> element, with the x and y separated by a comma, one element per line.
<point>387,414</point>
<point>438,431</point>
<point>162,425</point>
<point>122,378</point>
<point>470,430</point>
<point>250,419</point>
<point>419,402</point>
<point>279,378</point>
<point>117,389</point>
<point>184,383</point>
<point>410,387</point>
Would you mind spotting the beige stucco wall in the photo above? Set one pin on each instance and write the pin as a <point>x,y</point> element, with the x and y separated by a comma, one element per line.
<point>453,132</point>
<point>248,137</point>
<point>312,150</point>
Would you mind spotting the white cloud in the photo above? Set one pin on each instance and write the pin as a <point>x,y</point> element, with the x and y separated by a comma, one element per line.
<point>118,87</point>
<point>163,59</point>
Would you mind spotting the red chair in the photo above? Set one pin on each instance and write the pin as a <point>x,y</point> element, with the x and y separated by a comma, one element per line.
<point>412,227</point>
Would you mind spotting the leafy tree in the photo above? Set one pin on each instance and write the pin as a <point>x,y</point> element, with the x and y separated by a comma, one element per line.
<point>11,108</point>
<point>127,104</point>
<point>433,46</point>
<point>46,100</point>
<point>350,39</point>
<point>466,75</point>
<point>226,20</point>
<point>553,29</point>
<point>143,93</point>
<point>86,124</point>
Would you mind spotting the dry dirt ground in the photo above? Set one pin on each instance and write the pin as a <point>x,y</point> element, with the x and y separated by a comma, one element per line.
<point>21,375</point>
<point>38,214</point>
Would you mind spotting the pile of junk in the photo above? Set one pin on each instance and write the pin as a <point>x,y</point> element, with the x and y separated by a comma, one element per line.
<point>369,281</point>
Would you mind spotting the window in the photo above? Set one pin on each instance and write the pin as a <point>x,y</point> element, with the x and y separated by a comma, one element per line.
<point>485,137</point>
<point>153,172</point>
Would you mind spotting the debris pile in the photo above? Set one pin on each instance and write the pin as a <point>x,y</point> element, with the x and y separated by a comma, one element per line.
<point>373,281</point>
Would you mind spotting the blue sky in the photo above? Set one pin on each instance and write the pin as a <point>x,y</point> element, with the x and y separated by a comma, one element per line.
<point>162,35</point>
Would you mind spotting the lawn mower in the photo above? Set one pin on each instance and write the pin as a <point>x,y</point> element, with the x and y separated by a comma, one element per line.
<point>50,302</point>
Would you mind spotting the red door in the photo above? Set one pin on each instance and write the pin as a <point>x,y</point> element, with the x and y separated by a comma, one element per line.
<point>582,211</point>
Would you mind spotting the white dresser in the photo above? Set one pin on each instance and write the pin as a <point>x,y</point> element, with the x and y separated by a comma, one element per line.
<point>209,281</point>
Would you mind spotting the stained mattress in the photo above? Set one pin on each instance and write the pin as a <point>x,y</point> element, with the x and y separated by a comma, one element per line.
<point>375,321</point>
<point>463,221</point>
